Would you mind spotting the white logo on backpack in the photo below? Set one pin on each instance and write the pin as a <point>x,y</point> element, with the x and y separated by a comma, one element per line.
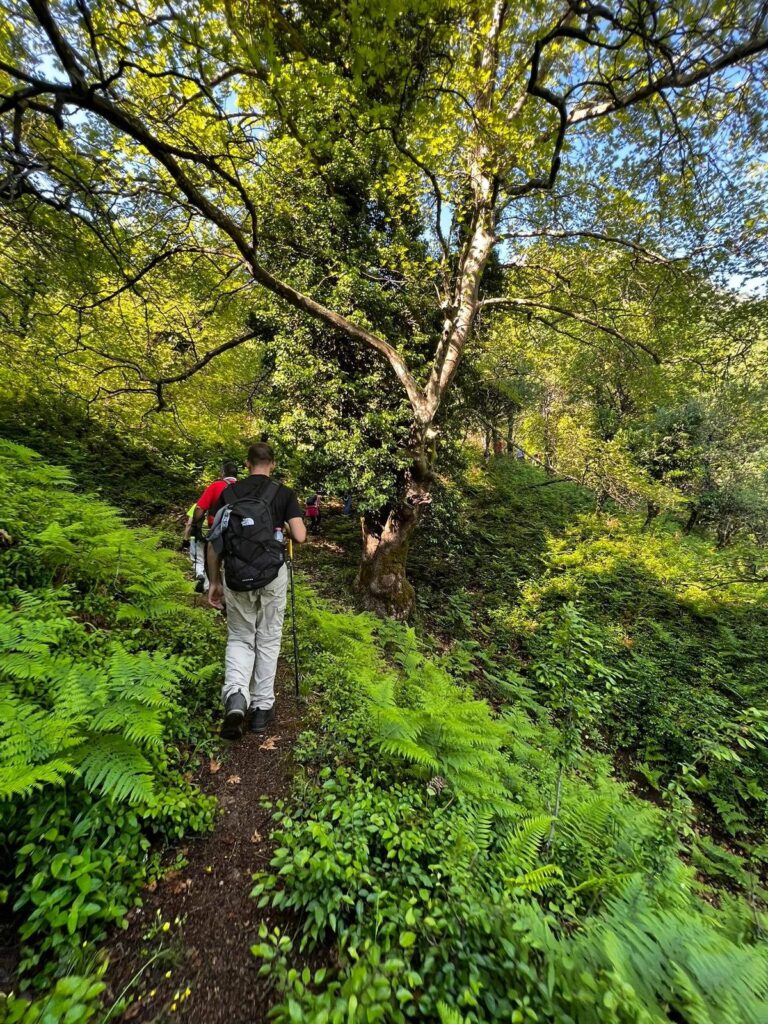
<point>248,522</point>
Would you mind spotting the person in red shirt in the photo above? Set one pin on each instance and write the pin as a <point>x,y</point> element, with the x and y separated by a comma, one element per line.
<point>209,499</point>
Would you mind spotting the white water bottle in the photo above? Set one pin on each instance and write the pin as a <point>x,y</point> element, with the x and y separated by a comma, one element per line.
<point>279,536</point>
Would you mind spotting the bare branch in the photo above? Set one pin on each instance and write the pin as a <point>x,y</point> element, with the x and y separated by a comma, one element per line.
<point>432,177</point>
<point>674,79</point>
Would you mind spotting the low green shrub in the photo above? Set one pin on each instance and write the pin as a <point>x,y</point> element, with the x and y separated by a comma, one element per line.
<point>73,1000</point>
<point>688,650</point>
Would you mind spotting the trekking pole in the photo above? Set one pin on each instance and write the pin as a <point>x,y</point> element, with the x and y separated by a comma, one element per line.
<point>296,674</point>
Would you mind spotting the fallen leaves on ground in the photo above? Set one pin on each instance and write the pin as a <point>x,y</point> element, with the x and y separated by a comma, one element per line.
<point>214,765</point>
<point>269,744</point>
<point>256,837</point>
<point>233,780</point>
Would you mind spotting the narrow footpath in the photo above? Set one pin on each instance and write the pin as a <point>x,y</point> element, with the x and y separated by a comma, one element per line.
<point>200,922</point>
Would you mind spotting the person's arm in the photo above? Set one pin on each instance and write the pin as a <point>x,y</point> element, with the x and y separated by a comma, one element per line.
<point>204,506</point>
<point>297,529</point>
<point>215,549</point>
<point>216,589</point>
<point>188,526</point>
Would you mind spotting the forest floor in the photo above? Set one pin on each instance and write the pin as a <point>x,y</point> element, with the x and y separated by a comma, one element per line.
<point>200,969</point>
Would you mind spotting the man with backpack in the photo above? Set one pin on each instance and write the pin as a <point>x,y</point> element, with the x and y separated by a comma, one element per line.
<point>246,540</point>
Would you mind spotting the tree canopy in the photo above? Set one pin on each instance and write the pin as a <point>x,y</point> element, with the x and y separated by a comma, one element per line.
<point>220,177</point>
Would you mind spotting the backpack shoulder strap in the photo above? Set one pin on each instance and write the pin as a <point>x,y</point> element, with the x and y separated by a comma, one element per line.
<point>228,495</point>
<point>269,493</point>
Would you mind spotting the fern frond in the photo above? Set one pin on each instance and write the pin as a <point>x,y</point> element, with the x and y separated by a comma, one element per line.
<point>519,850</point>
<point>15,781</point>
<point>537,880</point>
<point>410,751</point>
<point>448,1014</point>
<point>113,766</point>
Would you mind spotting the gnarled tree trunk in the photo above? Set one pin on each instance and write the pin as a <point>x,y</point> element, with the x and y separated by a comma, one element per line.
<point>381,581</point>
<point>382,585</point>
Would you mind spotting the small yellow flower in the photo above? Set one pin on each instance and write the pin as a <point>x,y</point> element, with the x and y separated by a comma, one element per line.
<point>167,926</point>
<point>173,1007</point>
<point>167,974</point>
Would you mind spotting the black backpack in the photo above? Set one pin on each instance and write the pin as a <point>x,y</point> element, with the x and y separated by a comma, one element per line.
<point>252,556</point>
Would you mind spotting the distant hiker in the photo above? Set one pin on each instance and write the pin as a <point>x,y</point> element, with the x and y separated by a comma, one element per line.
<point>498,447</point>
<point>208,500</point>
<point>246,541</point>
<point>192,543</point>
<point>519,453</point>
<point>205,504</point>
<point>347,510</point>
<point>312,512</point>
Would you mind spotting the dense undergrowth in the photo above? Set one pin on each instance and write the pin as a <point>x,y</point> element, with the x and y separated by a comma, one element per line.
<point>143,480</point>
<point>479,860</point>
<point>106,679</point>
<point>470,871</point>
<point>545,803</point>
<point>664,615</point>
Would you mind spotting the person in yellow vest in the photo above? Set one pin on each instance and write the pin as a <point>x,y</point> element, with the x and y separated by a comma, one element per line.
<point>192,543</point>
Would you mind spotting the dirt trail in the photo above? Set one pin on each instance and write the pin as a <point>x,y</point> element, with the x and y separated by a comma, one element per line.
<point>208,952</point>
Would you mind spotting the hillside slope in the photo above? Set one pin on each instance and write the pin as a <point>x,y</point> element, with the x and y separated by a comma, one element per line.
<point>545,802</point>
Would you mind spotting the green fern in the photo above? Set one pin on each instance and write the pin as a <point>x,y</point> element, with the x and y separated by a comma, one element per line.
<point>449,1015</point>
<point>112,765</point>
<point>90,719</point>
<point>675,961</point>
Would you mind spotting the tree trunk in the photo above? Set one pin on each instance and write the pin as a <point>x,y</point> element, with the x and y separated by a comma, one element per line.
<point>381,580</point>
<point>692,520</point>
<point>381,584</point>
<point>653,511</point>
<point>724,534</point>
<point>510,435</point>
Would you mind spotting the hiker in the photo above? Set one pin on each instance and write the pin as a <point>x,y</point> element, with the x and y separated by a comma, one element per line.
<point>246,541</point>
<point>347,510</point>
<point>208,500</point>
<point>205,503</point>
<point>192,543</point>
<point>312,512</point>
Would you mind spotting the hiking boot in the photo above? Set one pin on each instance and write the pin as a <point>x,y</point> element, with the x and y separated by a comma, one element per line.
<point>199,584</point>
<point>262,718</point>
<point>234,717</point>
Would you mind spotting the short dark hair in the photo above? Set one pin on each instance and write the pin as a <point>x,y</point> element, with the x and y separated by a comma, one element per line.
<point>229,469</point>
<point>260,453</point>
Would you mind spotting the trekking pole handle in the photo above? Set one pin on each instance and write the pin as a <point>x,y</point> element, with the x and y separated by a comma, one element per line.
<point>290,549</point>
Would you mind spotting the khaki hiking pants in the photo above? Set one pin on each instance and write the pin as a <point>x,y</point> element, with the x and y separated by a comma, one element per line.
<point>255,628</point>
